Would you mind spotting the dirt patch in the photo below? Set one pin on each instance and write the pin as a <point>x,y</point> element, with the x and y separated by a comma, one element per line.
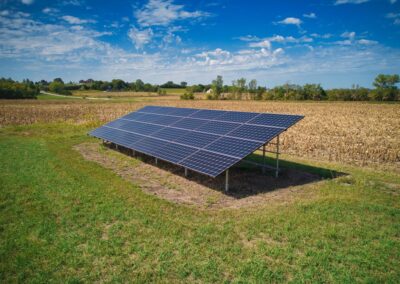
<point>167,181</point>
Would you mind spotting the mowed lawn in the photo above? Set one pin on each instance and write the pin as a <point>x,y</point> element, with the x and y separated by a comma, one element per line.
<point>65,219</point>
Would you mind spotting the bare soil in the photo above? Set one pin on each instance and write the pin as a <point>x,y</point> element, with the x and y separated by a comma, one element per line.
<point>167,181</point>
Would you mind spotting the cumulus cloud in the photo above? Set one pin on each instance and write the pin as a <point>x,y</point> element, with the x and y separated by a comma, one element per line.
<point>164,12</point>
<point>291,21</point>
<point>265,43</point>
<point>140,37</point>
<point>76,21</point>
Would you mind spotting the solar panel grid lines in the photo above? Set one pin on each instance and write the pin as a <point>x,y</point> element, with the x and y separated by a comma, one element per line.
<point>164,141</point>
<point>194,131</point>
<point>207,163</point>
<point>194,161</point>
<point>183,135</point>
<point>216,120</point>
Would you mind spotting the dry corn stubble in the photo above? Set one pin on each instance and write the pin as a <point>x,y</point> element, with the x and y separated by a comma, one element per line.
<point>355,133</point>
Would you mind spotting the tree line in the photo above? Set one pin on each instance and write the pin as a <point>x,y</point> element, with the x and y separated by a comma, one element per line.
<point>385,89</point>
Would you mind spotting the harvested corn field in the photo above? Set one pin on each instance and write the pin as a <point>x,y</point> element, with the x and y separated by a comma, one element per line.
<point>354,133</point>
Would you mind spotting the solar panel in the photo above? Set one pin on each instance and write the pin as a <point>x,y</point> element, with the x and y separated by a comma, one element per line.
<point>206,141</point>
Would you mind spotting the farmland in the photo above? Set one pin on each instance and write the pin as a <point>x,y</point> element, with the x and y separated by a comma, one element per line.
<point>354,133</point>
<point>75,211</point>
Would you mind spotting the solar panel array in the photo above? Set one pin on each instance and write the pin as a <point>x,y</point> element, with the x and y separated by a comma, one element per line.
<point>206,141</point>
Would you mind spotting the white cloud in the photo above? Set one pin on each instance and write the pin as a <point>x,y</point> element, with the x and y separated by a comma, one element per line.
<point>289,39</point>
<point>291,21</point>
<point>310,15</point>
<point>340,2</point>
<point>4,13</point>
<point>324,36</point>
<point>245,59</point>
<point>140,37</point>
<point>392,1</point>
<point>164,12</point>
<point>349,35</point>
<point>48,10</point>
<point>34,49</point>
<point>265,43</point>
<point>76,21</point>
<point>350,39</point>
<point>367,42</point>
<point>27,2</point>
<point>248,38</point>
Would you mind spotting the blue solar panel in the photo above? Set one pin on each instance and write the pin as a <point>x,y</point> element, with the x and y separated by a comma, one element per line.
<point>236,116</point>
<point>171,134</point>
<point>174,153</point>
<point>189,123</point>
<point>233,147</point>
<point>211,164</point>
<point>133,115</point>
<point>207,141</point>
<point>218,127</point>
<point>183,111</point>
<point>149,146</point>
<point>277,120</point>
<point>151,109</point>
<point>197,139</point>
<point>119,137</point>
<point>116,123</point>
<point>140,128</point>
<point>158,119</point>
<point>254,132</point>
<point>207,114</point>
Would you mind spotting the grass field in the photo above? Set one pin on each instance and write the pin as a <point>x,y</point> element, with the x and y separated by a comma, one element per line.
<point>127,94</point>
<point>67,218</point>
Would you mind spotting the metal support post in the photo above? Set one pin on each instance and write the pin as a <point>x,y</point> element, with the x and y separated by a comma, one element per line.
<point>227,180</point>
<point>263,169</point>
<point>156,161</point>
<point>277,157</point>
<point>186,172</point>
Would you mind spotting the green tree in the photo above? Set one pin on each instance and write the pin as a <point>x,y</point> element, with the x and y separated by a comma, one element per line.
<point>386,89</point>
<point>383,81</point>
<point>217,86</point>
<point>139,85</point>
<point>252,87</point>
<point>313,92</point>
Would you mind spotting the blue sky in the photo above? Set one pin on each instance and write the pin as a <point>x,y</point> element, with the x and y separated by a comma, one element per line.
<point>334,42</point>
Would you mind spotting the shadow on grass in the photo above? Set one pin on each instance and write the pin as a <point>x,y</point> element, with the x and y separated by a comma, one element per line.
<point>245,179</point>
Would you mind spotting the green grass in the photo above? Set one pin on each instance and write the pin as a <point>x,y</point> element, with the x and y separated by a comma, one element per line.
<point>48,97</point>
<point>65,219</point>
<point>174,91</point>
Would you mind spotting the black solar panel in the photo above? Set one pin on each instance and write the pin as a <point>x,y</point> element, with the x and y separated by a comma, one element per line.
<point>206,141</point>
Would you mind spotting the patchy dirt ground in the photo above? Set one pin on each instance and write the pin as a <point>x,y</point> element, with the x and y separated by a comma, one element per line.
<point>167,181</point>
